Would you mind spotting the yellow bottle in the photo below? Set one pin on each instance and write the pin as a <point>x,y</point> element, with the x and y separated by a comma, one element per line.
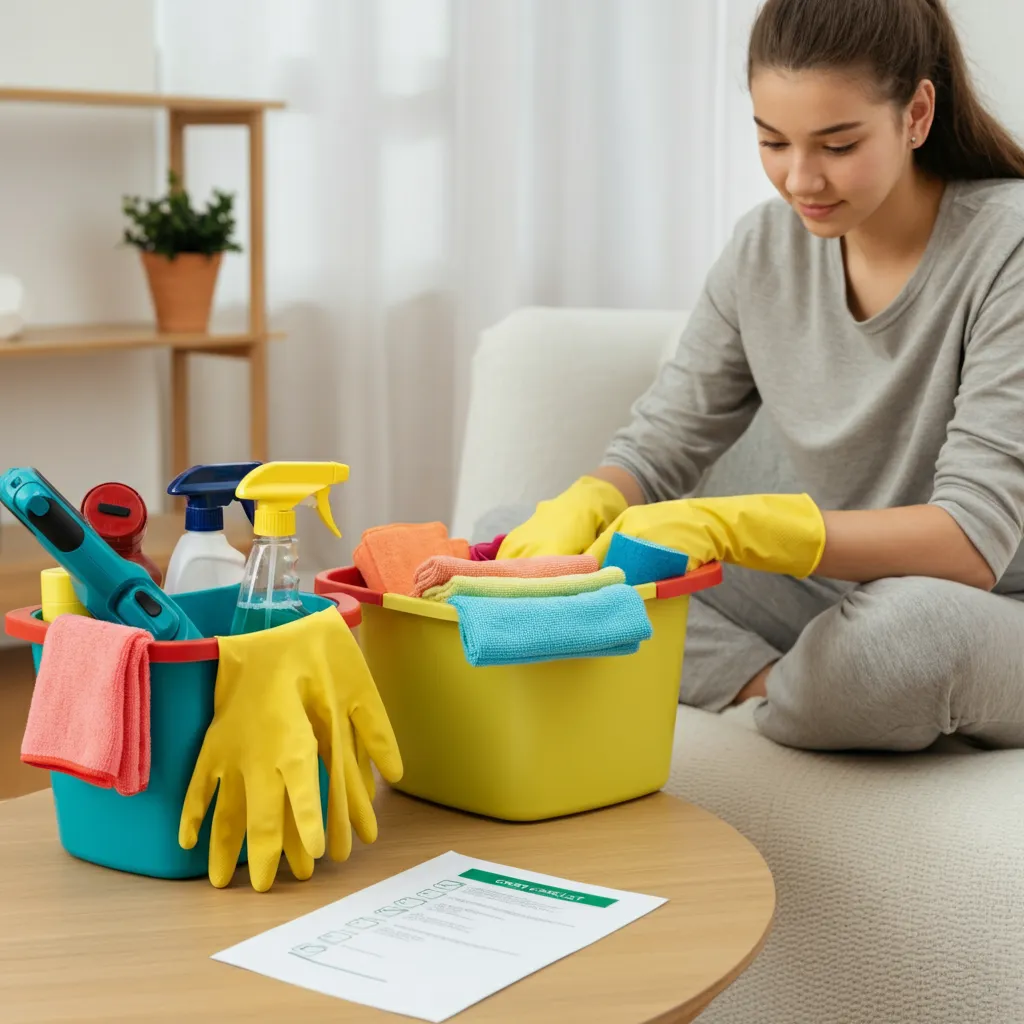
<point>58,594</point>
<point>269,594</point>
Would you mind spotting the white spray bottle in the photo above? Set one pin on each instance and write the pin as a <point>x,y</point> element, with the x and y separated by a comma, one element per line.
<point>203,558</point>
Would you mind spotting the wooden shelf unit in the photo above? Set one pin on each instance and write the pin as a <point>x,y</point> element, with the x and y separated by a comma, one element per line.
<point>21,558</point>
<point>76,339</point>
<point>91,98</point>
<point>182,112</point>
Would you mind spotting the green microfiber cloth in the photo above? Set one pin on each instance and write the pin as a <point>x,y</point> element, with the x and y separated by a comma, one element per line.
<point>541,586</point>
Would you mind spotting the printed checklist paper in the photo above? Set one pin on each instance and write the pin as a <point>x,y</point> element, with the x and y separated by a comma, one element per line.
<point>438,938</point>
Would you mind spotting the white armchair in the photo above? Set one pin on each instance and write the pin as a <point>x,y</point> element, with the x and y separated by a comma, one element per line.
<point>900,878</point>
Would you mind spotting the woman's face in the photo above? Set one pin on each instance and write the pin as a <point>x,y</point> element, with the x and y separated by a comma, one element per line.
<point>832,150</point>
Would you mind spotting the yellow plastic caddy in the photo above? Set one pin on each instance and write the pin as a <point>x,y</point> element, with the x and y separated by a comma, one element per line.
<point>524,742</point>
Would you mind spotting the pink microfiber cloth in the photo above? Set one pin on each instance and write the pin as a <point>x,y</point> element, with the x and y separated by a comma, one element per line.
<point>486,550</point>
<point>387,556</point>
<point>89,715</point>
<point>439,569</point>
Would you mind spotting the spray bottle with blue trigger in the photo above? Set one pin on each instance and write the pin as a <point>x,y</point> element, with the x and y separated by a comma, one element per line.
<point>109,586</point>
<point>203,558</point>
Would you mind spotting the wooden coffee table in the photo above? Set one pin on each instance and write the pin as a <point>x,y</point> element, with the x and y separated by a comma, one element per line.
<point>83,943</point>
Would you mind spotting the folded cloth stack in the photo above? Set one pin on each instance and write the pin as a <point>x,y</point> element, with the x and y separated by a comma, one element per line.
<point>89,715</point>
<point>520,610</point>
<point>517,610</point>
<point>539,586</point>
<point>437,571</point>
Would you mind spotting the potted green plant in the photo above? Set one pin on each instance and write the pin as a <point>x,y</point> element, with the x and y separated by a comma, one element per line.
<point>181,249</point>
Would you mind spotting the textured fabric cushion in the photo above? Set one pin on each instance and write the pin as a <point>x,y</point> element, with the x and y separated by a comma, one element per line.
<point>900,878</point>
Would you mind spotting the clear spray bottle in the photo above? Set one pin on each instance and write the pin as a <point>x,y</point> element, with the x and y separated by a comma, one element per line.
<point>269,594</point>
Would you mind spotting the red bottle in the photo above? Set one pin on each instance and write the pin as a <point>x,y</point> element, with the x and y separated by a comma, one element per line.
<point>118,514</point>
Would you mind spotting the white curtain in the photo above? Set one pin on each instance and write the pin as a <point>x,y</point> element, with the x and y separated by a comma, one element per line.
<point>440,163</point>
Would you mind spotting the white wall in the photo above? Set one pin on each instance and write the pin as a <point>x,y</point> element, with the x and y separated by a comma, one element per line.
<point>63,171</point>
<point>991,31</point>
<point>222,53</point>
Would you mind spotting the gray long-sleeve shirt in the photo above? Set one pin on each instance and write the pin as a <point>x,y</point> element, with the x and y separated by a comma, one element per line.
<point>922,403</point>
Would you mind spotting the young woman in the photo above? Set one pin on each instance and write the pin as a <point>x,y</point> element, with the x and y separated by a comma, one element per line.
<point>853,374</point>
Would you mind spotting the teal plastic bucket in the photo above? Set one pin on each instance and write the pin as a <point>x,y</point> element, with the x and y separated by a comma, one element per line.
<point>139,834</point>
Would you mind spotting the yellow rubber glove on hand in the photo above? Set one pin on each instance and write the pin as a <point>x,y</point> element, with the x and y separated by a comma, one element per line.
<point>782,533</point>
<point>280,695</point>
<point>567,524</point>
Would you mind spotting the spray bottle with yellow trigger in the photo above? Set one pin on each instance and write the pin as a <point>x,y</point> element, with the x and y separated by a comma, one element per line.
<point>269,595</point>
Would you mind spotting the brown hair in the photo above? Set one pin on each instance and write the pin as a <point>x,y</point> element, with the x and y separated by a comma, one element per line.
<point>899,43</point>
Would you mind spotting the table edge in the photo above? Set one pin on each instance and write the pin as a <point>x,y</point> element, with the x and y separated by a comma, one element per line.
<point>684,1012</point>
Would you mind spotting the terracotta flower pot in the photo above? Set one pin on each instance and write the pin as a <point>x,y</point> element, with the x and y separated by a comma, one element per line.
<point>182,290</point>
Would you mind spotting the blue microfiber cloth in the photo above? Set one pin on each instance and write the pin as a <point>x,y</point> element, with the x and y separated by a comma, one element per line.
<point>644,562</point>
<point>520,630</point>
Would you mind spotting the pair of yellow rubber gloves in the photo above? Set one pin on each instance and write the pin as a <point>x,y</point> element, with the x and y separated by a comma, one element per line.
<point>782,533</point>
<point>284,697</point>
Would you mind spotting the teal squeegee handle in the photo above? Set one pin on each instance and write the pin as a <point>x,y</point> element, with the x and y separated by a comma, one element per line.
<point>111,588</point>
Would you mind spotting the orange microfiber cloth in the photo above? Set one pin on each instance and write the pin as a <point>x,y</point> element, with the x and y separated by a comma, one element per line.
<point>440,569</point>
<point>89,715</point>
<point>387,556</point>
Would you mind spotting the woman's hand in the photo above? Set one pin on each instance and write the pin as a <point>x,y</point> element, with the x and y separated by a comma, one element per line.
<point>782,533</point>
<point>567,524</point>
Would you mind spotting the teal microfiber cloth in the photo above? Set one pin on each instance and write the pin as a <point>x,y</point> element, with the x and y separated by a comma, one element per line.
<point>520,630</point>
<point>644,562</point>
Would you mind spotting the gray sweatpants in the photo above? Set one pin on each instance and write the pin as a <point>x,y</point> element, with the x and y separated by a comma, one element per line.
<point>888,665</point>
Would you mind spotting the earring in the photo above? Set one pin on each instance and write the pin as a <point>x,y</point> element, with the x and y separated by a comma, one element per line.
<point>913,140</point>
